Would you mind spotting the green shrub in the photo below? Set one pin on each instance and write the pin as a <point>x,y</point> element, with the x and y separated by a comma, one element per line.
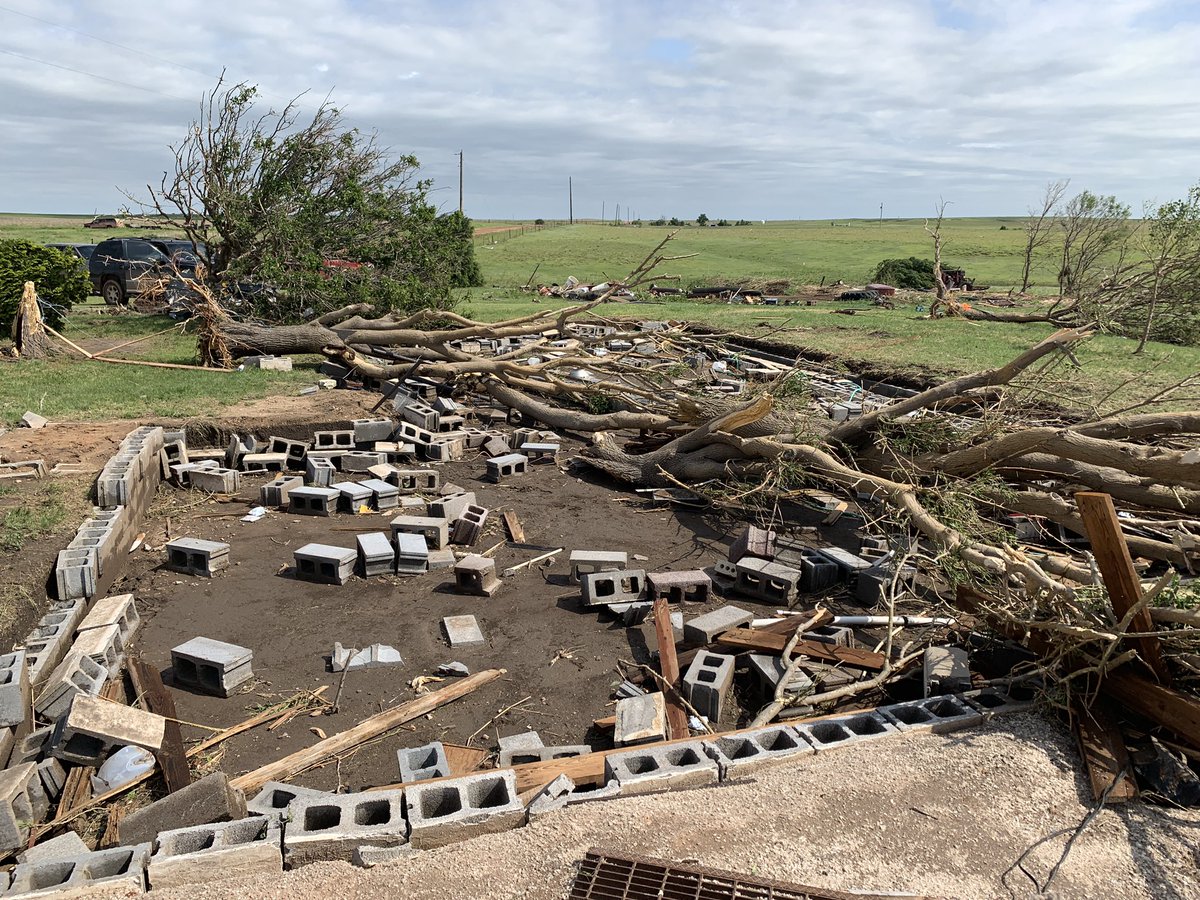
<point>912,274</point>
<point>58,278</point>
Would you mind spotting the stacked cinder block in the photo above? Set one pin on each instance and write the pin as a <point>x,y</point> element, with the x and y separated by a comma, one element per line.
<point>120,482</point>
<point>93,554</point>
<point>76,674</point>
<point>655,768</point>
<point>48,642</point>
<point>333,827</point>
<point>435,530</point>
<point>443,812</point>
<point>119,870</point>
<point>204,853</point>
<point>741,754</point>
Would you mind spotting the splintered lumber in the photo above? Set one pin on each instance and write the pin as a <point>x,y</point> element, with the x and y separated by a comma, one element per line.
<point>464,760</point>
<point>29,330</point>
<point>78,786</point>
<point>295,763</point>
<point>1103,750</point>
<point>763,641</point>
<point>172,759</point>
<point>1120,577</point>
<point>668,663</point>
<point>515,530</point>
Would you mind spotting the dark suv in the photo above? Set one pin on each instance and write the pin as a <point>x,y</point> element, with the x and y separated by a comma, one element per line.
<point>121,268</point>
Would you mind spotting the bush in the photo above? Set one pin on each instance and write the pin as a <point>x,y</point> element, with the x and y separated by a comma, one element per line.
<point>58,278</point>
<point>913,274</point>
<point>539,221</point>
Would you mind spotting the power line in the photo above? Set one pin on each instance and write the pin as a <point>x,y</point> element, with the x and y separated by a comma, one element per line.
<point>136,87</point>
<point>94,37</point>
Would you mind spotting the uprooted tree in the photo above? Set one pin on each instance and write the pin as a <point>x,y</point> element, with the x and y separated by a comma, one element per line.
<point>293,216</point>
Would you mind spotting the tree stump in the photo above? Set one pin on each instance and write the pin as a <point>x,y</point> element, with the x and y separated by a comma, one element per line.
<point>29,331</point>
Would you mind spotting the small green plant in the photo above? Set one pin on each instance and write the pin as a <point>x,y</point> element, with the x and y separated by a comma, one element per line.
<point>598,404</point>
<point>59,280</point>
<point>21,524</point>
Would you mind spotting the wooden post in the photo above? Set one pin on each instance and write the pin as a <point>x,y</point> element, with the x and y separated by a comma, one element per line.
<point>1116,566</point>
<point>668,664</point>
<point>172,759</point>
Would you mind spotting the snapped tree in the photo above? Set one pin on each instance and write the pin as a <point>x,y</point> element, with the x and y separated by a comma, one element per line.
<point>293,216</point>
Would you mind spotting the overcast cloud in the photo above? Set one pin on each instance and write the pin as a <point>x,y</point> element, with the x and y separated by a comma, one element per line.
<point>737,109</point>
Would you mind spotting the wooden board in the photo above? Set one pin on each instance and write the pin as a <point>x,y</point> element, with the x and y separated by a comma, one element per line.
<point>172,759</point>
<point>464,760</point>
<point>77,789</point>
<point>1120,577</point>
<point>668,664</point>
<point>1103,750</point>
<point>761,641</point>
<point>515,529</point>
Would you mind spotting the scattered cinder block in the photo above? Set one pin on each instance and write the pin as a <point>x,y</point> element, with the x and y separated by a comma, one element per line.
<point>754,541</point>
<point>16,701</point>
<point>411,481</point>
<point>496,446</point>
<point>120,871</point>
<point>443,812</point>
<point>367,431</point>
<point>540,452</point>
<point>584,562</point>
<point>748,751</point>
<point>318,472</point>
<point>462,631</point>
<point>476,574</point>
<point>933,714</point>
<point>275,493</point>
<point>501,467</point>
<point>275,797</point>
<point>946,671</point>
<point>616,586</point>
<point>18,787</point>
<point>439,559</point>
<point>376,656</point>
<point>468,527</point>
<point>674,766</point>
<point>848,563</point>
<point>323,564</point>
<point>331,828</point>
<point>76,674</point>
<point>333,440</point>
<point>93,728</point>
<point>423,763</point>
<point>361,461</point>
<point>518,756</point>
<point>640,719</point>
<point>707,682</point>
<point>412,554</point>
<point>769,669</point>
<point>263,462</point>
<point>376,554</point>
<point>384,495</point>
<point>436,531</point>
<point>216,480</point>
<point>295,451</point>
<point>839,635</point>
<point>451,506</point>
<point>353,498</point>
<point>213,667</point>
<point>692,586</point>
<point>313,501</point>
<point>522,740</point>
<point>766,581</point>
<point>843,731</point>
<point>192,556</point>
<point>704,629</point>
<point>203,802</point>
<point>64,847</point>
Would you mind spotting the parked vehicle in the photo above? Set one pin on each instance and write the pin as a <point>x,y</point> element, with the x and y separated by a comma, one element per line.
<point>81,251</point>
<point>121,268</point>
<point>104,222</point>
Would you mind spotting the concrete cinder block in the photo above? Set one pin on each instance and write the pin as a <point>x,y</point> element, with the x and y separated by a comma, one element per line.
<point>505,466</point>
<point>203,853</point>
<point>462,631</point>
<point>103,645</point>
<point>119,610</point>
<point>584,562</point>
<point>707,682</point>
<point>671,767</point>
<point>76,674</point>
<point>296,451</point>
<point>121,870</point>
<point>313,501</point>
<point>16,700</point>
<point>210,666</point>
<point>66,846</point>
<point>376,554</point>
<point>324,564</point>
<point>332,828</point>
<point>615,586</point>
<point>769,669</point>
<point>275,493</point>
<point>216,480</point>
<point>693,586</point>
<point>946,671</point>
<point>361,461</point>
<point>743,753</point>
<point>517,756</point>
<point>411,481</point>
<point>75,573</point>
<point>443,812</point>
<point>384,494</point>
<point>830,734</point>
<point>353,497</point>
<point>19,787</point>
<point>436,531</point>
<point>468,527</point>
<point>754,541</point>
<point>367,431</point>
<point>476,575</point>
<point>93,728</point>
<point>451,506</point>
<point>992,701</point>
<point>540,452</point>
<point>767,582</point>
<point>376,656</point>
<point>640,719</point>
<point>704,629</point>
<point>333,440</point>
<point>933,714</point>
<point>192,556</point>
<point>210,799</point>
<point>423,763</point>
<point>318,472</point>
<point>275,797</point>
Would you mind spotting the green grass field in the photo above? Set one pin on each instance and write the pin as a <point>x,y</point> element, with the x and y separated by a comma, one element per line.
<point>898,340</point>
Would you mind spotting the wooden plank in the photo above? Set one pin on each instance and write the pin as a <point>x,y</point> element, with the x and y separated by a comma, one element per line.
<point>294,763</point>
<point>515,530</point>
<point>762,641</point>
<point>607,723</point>
<point>464,760</point>
<point>172,759</point>
<point>1120,577</point>
<point>77,789</point>
<point>1103,750</point>
<point>668,664</point>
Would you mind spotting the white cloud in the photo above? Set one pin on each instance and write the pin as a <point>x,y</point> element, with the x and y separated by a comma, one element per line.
<point>791,108</point>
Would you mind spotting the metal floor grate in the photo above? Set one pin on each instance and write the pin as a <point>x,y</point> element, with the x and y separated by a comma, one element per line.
<point>614,876</point>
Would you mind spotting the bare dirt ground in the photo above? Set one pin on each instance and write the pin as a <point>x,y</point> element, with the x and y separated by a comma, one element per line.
<point>943,816</point>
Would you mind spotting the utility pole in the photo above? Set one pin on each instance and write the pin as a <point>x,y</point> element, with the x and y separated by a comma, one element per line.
<point>880,215</point>
<point>617,217</point>
<point>571,200</point>
<point>603,210</point>
<point>460,182</point>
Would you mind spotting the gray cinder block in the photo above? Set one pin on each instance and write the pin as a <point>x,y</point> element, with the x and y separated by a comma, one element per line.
<point>318,472</point>
<point>324,564</point>
<point>451,506</point>
<point>649,769</point>
<point>204,853</point>
<point>743,753</point>
<point>693,586</point>
<point>313,501</point>
<point>476,574</point>
<point>410,481</point>
<point>584,562</point>
<point>412,554</point>
<point>16,701</point>
<point>213,667</point>
<point>384,494</point>
<point>66,846</point>
<point>754,541</point>
<point>993,700</point>
<point>216,480</point>
<point>121,869</point>
<point>367,431</point>
<point>707,682</point>
<point>640,719</point>
<point>436,531</point>
<point>275,493</point>
<point>192,556</point>
<point>704,629</point>
<point>93,728</point>
<point>331,828</point>
<point>766,581</point>
<point>540,452</point>
<point>469,525</point>
<point>333,440</point>
<point>210,799</point>
<point>275,797</point>
<point>501,467</point>
<point>614,586</point>
<point>358,461</point>
<point>443,812</point>
<point>462,631</point>
<point>376,656</point>
<point>19,788</point>
<point>829,734</point>
<point>422,763</point>
<point>352,496</point>
<point>946,671</point>
<point>376,554</point>
<point>517,756</point>
<point>934,714</point>
<point>76,674</point>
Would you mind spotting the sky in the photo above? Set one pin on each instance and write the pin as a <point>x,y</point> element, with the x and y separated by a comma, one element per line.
<point>761,110</point>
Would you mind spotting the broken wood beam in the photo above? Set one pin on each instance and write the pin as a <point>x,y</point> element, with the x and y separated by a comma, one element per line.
<point>762,641</point>
<point>515,530</point>
<point>668,664</point>
<point>295,763</point>
<point>1102,747</point>
<point>172,759</point>
<point>1120,577</point>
